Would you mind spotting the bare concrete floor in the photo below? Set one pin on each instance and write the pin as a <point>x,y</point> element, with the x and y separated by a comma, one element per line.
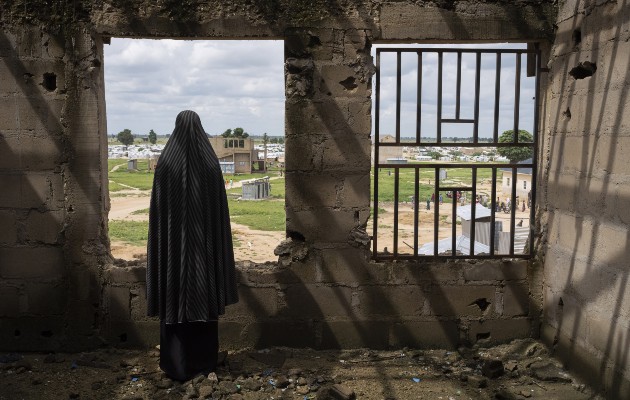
<point>522,369</point>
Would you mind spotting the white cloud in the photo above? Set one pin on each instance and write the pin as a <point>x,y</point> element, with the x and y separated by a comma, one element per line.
<point>229,83</point>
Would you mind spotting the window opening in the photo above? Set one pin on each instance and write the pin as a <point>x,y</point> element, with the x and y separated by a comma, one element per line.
<point>240,110</point>
<point>446,156</point>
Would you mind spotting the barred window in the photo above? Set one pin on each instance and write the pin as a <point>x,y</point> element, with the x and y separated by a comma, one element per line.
<point>450,124</point>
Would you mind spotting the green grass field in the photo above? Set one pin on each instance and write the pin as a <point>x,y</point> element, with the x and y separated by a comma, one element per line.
<point>455,176</point>
<point>132,232</point>
<point>269,215</point>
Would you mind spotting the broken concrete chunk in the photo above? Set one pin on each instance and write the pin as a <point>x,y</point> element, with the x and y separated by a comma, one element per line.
<point>547,371</point>
<point>492,368</point>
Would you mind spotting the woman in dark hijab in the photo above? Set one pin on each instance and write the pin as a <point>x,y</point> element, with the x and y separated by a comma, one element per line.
<point>190,266</point>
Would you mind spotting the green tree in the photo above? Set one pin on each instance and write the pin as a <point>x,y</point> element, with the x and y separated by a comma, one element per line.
<point>240,133</point>
<point>125,137</point>
<point>516,154</point>
<point>152,137</point>
<point>434,155</point>
<point>236,133</point>
<point>280,140</point>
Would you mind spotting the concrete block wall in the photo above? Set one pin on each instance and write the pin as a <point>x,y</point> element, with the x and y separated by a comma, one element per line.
<point>585,195</point>
<point>314,303</point>
<point>53,195</point>
<point>57,289</point>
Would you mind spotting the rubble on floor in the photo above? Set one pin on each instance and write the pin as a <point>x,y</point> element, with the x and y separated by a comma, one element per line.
<point>522,369</point>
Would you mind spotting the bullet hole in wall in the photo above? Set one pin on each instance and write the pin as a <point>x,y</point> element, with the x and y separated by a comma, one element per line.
<point>17,333</point>
<point>583,70</point>
<point>50,82</point>
<point>314,41</point>
<point>47,333</point>
<point>577,37</point>
<point>483,335</point>
<point>482,303</point>
<point>349,83</point>
<point>123,338</point>
<point>296,236</point>
<point>567,113</point>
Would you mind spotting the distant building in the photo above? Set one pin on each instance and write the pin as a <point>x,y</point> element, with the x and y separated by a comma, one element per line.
<point>389,153</point>
<point>523,181</point>
<point>238,151</point>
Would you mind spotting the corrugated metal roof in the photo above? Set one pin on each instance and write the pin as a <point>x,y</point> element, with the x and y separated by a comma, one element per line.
<point>465,212</point>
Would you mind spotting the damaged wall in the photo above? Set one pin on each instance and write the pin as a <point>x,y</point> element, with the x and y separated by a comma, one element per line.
<point>58,289</point>
<point>586,193</point>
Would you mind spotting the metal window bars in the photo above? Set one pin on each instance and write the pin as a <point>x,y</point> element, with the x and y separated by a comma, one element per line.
<point>495,241</point>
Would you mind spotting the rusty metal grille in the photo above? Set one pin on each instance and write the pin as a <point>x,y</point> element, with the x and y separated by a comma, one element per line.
<point>401,229</point>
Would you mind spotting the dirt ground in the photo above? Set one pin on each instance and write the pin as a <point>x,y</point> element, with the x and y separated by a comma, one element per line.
<point>519,370</point>
<point>258,246</point>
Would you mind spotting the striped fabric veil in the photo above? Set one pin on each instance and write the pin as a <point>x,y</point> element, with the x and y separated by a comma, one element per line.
<point>190,259</point>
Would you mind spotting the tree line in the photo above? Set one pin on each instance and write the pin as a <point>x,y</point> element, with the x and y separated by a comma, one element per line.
<point>127,138</point>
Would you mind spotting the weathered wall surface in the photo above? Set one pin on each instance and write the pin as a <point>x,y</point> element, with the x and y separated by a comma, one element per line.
<point>57,288</point>
<point>340,300</point>
<point>586,176</point>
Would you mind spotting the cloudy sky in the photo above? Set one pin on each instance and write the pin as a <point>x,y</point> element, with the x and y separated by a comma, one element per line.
<point>228,83</point>
<point>241,84</point>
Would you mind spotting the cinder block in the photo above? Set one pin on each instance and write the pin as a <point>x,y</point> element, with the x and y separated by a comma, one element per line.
<point>29,43</point>
<point>31,334</point>
<point>336,118</point>
<point>339,81</point>
<point>84,317</point>
<point>255,302</point>
<point>314,189</point>
<point>515,300</point>
<point>425,334</point>
<point>32,262</point>
<point>9,301</point>
<point>491,270</point>
<point>317,301</point>
<point>40,152</point>
<point>460,300</point>
<point>8,44</point>
<point>273,275</point>
<point>326,225</point>
<point>10,148</point>
<point>139,303</point>
<point>119,303</point>
<point>8,114</point>
<point>499,330</point>
<point>45,226</point>
<point>8,83</point>
<point>137,334</point>
<point>303,153</point>
<point>421,273</point>
<point>53,46</point>
<point>391,301</point>
<point>46,298</point>
<point>133,274</point>
<point>355,334</point>
<point>350,153</point>
<point>36,189</point>
<point>605,334</point>
<point>8,222</point>
<point>232,335</point>
<point>354,191</point>
<point>349,266</point>
<point>300,333</point>
<point>319,118</point>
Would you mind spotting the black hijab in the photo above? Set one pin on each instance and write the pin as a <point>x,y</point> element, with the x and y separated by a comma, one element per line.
<point>190,260</point>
